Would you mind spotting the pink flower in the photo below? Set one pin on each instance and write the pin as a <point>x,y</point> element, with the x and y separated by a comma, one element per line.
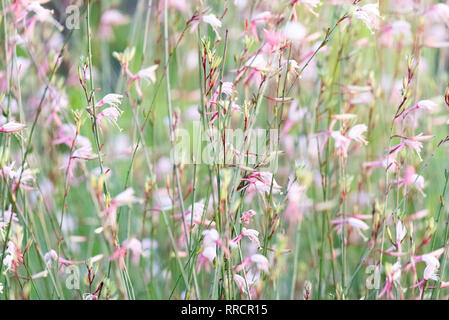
<point>12,127</point>
<point>27,175</point>
<point>136,248</point>
<point>273,40</point>
<point>258,19</point>
<point>411,179</point>
<point>119,254</point>
<point>298,202</point>
<point>261,182</point>
<point>191,220</point>
<point>354,222</point>
<point>342,142</point>
<point>412,143</point>
<point>198,213</point>
<point>180,5</point>
<point>393,277</point>
<point>418,215</point>
<point>256,65</point>
<point>108,19</point>
<point>111,114</point>
<point>426,105</point>
<point>438,13</point>
<point>51,256</point>
<point>396,33</point>
<point>259,261</point>
<point>252,234</point>
<point>246,216</point>
<point>66,133</point>
<point>256,263</point>
<point>122,199</point>
<point>42,14</point>
<point>227,89</point>
<point>388,162</point>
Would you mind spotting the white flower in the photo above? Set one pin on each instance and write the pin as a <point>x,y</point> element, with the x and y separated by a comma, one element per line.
<point>341,142</point>
<point>252,234</point>
<point>124,198</point>
<point>355,133</point>
<point>312,3</point>
<point>255,263</point>
<point>226,88</point>
<point>210,237</point>
<point>210,240</point>
<point>11,253</point>
<point>7,216</point>
<point>113,17</point>
<point>357,223</point>
<point>148,73</point>
<point>111,113</point>
<point>240,281</point>
<point>418,180</point>
<point>43,14</point>
<point>264,184</point>
<point>396,272</point>
<point>7,261</point>
<point>136,248</point>
<point>209,253</point>
<point>112,99</point>
<point>257,62</point>
<point>401,231</point>
<point>438,13</point>
<point>432,265</point>
<point>401,27</point>
<point>369,14</point>
<point>260,261</point>
<point>89,296</point>
<point>1,288</point>
<point>50,256</point>
<point>294,31</point>
<point>426,105</point>
<point>214,22</point>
